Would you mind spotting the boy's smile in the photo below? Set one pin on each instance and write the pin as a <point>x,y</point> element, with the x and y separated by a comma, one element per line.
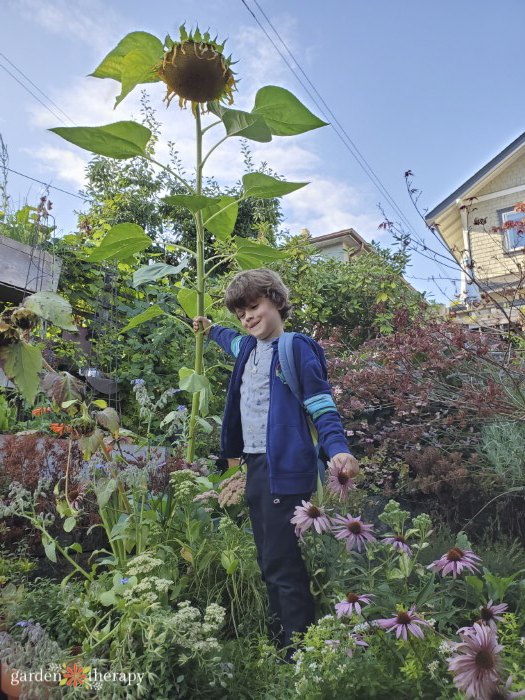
<point>261,319</point>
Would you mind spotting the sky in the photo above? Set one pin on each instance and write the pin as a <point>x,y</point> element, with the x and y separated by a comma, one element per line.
<point>422,86</point>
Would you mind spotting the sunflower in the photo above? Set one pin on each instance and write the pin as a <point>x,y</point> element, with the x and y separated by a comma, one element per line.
<point>196,70</point>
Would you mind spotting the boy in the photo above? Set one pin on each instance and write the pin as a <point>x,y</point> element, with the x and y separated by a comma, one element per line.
<point>265,423</point>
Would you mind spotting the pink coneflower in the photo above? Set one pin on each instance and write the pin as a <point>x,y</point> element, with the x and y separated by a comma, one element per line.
<point>489,613</point>
<point>339,482</point>
<point>455,560</point>
<point>475,666</point>
<point>499,693</point>
<point>398,542</point>
<point>353,530</point>
<point>307,515</point>
<point>404,622</point>
<point>352,602</point>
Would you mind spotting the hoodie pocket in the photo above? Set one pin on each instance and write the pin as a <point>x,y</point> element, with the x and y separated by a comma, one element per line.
<point>292,452</point>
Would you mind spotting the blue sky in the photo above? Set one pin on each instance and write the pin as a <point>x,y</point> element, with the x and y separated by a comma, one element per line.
<point>430,87</point>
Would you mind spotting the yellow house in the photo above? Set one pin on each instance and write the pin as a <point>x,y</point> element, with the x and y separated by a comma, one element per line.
<point>475,222</point>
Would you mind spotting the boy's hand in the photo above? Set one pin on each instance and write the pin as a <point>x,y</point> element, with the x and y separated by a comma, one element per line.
<point>206,323</point>
<point>346,462</point>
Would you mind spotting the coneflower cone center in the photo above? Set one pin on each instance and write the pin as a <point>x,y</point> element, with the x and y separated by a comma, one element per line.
<point>486,614</point>
<point>352,598</point>
<point>455,554</point>
<point>343,478</point>
<point>399,538</point>
<point>314,512</point>
<point>355,528</point>
<point>403,618</point>
<point>485,660</point>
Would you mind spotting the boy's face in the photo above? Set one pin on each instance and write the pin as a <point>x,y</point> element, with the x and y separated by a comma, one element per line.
<point>261,319</point>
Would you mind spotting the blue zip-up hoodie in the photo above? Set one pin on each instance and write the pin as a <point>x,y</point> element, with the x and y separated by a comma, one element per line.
<point>290,453</point>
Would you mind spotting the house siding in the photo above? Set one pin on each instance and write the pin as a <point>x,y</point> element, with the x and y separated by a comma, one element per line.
<point>513,175</point>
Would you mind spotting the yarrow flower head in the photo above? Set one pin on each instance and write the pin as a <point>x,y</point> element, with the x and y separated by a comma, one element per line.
<point>353,531</point>
<point>490,612</point>
<point>353,602</point>
<point>398,543</point>
<point>339,482</point>
<point>308,514</point>
<point>456,560</point>
<point>404,622</point>
<point>475,666</point>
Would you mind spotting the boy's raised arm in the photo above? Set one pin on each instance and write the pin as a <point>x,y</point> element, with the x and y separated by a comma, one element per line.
<point>229,340</point>
<point>318,400</point>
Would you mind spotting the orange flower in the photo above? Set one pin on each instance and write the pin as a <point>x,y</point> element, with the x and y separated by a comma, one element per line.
<point>37,411</point>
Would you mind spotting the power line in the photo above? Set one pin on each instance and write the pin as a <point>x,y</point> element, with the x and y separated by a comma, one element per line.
<point>84,199</point>
<point>349,144</point>
<point>37,88</point>
<point>33,94</point>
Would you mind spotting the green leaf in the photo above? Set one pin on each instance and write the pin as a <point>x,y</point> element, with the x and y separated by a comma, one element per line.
<point>22,363</point>
<point>69,523</point>
<point>109,419</point>
<point>220,218</point>
<point>120,242</point>
<point>475,582</point>
<point>104,492</point>
<point>89,444</point>
<point>193,202</point>
<point>119,140</point>
<point>76,547</point>
<point>108,598</point>
<point>52,307</point>
<point>112,65</point>
<point>147,315</point>
<point>251,255</point>
<point>283,112</point>
<point>207,427</point>
<point>50,550</point>
<point>191,382</point>
<point>243,124</point>
<point>187,298</point>
<point>267,187</point>
<point>151,273</point>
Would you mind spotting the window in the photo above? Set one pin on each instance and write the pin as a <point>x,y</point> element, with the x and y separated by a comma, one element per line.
<point>515,236</point>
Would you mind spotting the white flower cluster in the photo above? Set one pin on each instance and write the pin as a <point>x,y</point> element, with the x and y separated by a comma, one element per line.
<point>184,483</point>
<point>193,633</point>
<point>446,648</point>
<point>432,668</point>
<point>232,490</point>
<point>147,589</point>
<point>143,564</point>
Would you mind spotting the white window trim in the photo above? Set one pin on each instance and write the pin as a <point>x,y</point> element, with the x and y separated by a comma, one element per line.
<point>513,216</point>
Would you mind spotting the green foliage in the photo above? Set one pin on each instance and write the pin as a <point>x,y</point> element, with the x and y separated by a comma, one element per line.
<point>360,297</point>
<point>501,448</point>
<point>119,140</point>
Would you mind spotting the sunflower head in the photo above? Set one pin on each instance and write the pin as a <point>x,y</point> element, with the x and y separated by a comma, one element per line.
<point>196,70</point>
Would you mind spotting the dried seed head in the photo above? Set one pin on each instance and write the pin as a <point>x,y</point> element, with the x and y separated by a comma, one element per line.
<point>196,71</point>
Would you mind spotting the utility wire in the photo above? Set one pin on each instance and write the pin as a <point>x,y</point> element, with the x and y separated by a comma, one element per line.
<point>37,88</point>
<point>84,199</point>
<point>349,144</point>
<point>33,94</point>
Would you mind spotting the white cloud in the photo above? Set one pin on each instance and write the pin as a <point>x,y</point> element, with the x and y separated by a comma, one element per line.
<point>327,205</point>
<point>65,165</point>
<point>90,21</point>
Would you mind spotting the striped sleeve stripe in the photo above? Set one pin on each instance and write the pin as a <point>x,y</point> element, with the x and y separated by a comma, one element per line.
<point>235,345</point>
<point>319,404</point>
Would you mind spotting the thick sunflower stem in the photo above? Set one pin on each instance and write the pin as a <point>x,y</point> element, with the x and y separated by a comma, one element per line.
<point>199,338</point>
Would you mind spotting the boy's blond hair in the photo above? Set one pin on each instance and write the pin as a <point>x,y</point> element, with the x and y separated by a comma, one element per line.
<point>247,286</point>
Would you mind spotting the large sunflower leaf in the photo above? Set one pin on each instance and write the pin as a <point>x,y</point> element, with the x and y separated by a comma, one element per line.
<point>119,140</point>
<point>22,363</point>
<point>267,187</point>
<point>112,65</point>
<point>193,202</point>
<point>53,308</point>
<point>147,315</point>
<point>187,298</point>
<point>120,242</point>
<point>220,218</point>
<point>243,124</point>
<point>252,255</point>
<point>152,273</point>
<point>283,112</point>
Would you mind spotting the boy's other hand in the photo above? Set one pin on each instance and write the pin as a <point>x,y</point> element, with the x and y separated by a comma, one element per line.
<point>206,323</point>
<point>346,462</point>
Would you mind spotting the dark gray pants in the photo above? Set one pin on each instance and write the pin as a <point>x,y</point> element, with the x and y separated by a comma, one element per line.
<point>278,555</point>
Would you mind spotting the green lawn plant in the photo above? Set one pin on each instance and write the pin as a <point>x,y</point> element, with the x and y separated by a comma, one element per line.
<point>196,70</point>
